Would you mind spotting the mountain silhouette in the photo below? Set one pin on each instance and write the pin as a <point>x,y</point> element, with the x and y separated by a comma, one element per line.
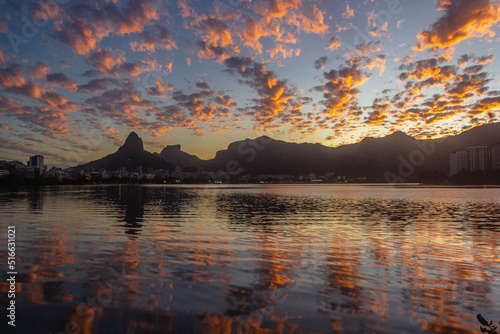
<point>371,157</point>
<point>397,153</point>
<point>133,145</point>
<point>173,154</point>
<point>264,155</point>
<point>131,156</point>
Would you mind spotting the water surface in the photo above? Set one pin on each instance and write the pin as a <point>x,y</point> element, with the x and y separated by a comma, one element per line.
<point>253,259</point>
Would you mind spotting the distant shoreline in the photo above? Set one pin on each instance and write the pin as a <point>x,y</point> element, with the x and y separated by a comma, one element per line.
<point>225,185</point>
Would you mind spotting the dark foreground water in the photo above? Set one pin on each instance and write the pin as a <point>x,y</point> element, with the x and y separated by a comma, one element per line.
<point>252,259</point>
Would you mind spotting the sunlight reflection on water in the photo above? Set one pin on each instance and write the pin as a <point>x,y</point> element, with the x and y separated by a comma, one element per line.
<point>245,259</point>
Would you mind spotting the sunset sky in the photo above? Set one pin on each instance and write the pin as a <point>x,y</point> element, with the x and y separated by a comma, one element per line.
<point>77,76</point>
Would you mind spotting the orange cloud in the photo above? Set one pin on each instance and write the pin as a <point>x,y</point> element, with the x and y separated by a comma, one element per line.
<point>341,89</point>
<point>333,43</point>
<point>310,20</point>
<point>89,26</point>
<point>378,61</point>
<point>349,12</point>
<point>366,49</point>
<point>379,111</point>
<point>443,4</point>
<point>28,89</point>
<point>216,39</point>
<point>99,85</point>
<point>279,51</point>
<point>53,99</point>
<point>185,9</point>
<point>277,100</point>
<point>3,58</point>
<point>12,76</point>
<point>45,10</point>
<point>39,70</point>
<point>251,34</point>
<point>277,8</point>
<point>105,60</point>
<point>154,39</point>
<point>486,105</point>
<point>61,80</point>
<point>463,19</point>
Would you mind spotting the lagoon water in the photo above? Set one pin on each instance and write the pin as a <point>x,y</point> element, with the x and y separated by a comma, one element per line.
<point>252,259</point>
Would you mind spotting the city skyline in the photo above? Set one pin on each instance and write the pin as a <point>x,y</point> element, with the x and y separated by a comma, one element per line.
<point>79,76</point>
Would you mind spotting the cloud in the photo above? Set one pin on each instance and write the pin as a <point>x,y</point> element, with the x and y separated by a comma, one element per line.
<point>381,31</point>
<point>211,51</point>
<point>53,121</point>
<point>47,10</point>
<point>349,12</point>
<point>201,104</point>
<point>39,70</point>
<point>86,29</point>
<point>333,43</point>
<point>309,19</point>
<point>379,111</point>
<point>6,103</point>
<point>185,9</point>
<point>106,60</point>
<point>462,19</point>
<point>88,26</point>
<point>160,88</point>
<point>485,59</point>
<point>216,39</point>
<point>276,8</point>
<point>3,58</point>
<point>125,105</point>
<point>469,85</point>
<point>156,38</point>
<point>443,4</point>
<point>371,63</point>
<point>340,91</point>
<point>251,33</point>
<point>136,15</point>
<point>366,49</point>
<point>202,86</point>
<point>281,19</point>
<point>486,105</point>
<point>111,62</point>
<point>134,69</point>
<point>280,51</point>
<point>465,59</point>
<point>172,116</point>
<point>53,99</point>
<point>320,63</point>
<point>225,101</point>
<point>456,90</point>
<point>61,80</point>
<point>277,101</point>
<point>12,76</point>
<point>29,89</point>
<point>98,85</point>
<point>217,31</point>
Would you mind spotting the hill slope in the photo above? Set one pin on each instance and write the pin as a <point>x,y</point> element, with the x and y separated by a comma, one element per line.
<point>131,155</point>
<point>173,154</point>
